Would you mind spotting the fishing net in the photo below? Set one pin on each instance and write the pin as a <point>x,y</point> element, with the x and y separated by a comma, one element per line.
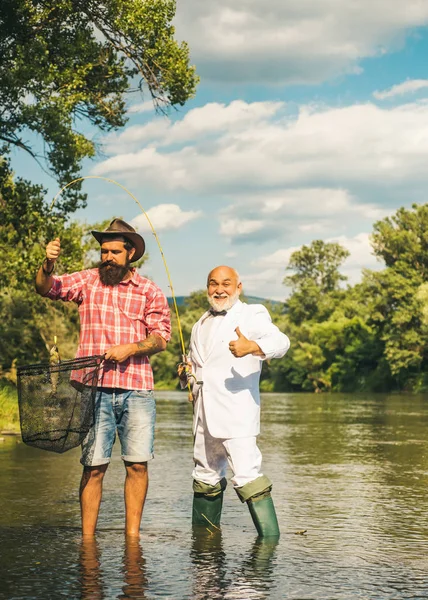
<point>57,402</point>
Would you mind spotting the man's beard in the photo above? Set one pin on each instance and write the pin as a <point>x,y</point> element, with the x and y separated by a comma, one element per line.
<point>223,304</point>
<point>112,274</point>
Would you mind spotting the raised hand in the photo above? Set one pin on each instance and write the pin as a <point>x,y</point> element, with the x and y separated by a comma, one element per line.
<point>242,346</point>
<point>53,250</point>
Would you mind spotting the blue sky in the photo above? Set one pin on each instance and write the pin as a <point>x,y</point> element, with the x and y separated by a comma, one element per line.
<point>310,122</point>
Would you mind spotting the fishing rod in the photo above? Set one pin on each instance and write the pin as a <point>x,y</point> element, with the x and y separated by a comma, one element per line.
<point>180,331</point>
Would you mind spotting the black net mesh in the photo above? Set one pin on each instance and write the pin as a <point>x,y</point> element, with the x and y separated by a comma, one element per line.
<point>57,401</point>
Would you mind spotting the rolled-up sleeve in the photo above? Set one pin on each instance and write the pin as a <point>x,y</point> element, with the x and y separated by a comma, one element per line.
<point>158,315</point>
<point>68,288</point>
<point>271,340</point>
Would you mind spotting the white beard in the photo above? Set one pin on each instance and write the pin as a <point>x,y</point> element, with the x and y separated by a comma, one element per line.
<point>223,304</point>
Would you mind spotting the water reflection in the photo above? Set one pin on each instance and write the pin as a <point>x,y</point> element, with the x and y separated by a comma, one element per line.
<point>133,571</point>
<point>254,577</point>
<point>209,561</point>
<point>249,579</point>
<point>90,561</point>
<point>351,471</point>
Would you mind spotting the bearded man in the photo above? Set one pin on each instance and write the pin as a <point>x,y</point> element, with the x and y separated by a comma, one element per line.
<point>227,347</point>
<point>126,318</point>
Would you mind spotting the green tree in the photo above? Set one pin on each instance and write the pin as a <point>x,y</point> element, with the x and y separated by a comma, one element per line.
<point>333,346</point>
<point>64,63</point>
<point>316,279</point>
<point>397,293</point>
<point>29,322</point>
<point>197,301</point>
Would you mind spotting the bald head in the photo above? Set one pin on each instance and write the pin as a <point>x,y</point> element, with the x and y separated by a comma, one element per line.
<point>223,287</point>
<point>225,272</point>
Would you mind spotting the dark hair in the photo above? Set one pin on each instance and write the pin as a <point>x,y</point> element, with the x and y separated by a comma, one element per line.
<point>127,244</point>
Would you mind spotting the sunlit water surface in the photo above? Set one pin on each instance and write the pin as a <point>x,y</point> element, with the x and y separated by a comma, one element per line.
<point>349,475</point>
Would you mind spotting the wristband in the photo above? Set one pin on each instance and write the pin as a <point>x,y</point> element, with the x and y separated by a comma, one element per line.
<point>44,270</point>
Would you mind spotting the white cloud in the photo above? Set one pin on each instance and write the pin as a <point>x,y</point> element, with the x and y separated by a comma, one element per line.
<point>407,87</point>
<point>141,107</point>
<point>284,41</point>
<point>279,258</point>
<point>198,124</point>
<point>133,137</point>
<point>269,274</point>
<point>266,216</point>
<point>267,284</point>
<point>361,255</point>
<point>253,145</point>
<point>270,270</point>
<point>165,217</point>
<point>238,227</point>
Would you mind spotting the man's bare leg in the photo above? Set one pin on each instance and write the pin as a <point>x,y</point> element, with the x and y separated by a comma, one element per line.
<point>91,487</point>
<point>136,485</point>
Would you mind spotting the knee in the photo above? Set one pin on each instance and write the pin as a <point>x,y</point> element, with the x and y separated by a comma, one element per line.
<point>94,474</point>
<point>205,489</point>
<point>254,489</point>
<point>136,469</point>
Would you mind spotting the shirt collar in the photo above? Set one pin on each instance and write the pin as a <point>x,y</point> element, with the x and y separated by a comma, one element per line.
<point>134,279</point>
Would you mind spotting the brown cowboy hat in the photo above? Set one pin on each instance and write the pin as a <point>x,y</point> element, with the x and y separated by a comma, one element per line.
<point>119,228</point>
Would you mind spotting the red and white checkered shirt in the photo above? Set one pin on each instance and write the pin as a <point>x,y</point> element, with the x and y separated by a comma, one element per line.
<point>113,315</point>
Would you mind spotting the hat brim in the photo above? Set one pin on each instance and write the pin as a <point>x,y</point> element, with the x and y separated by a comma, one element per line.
<point>135,238</point>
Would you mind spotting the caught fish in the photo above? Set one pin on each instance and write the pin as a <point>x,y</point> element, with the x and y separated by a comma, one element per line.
<point>54,359</point>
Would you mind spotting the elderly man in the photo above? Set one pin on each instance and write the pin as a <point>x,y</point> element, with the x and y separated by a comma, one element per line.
<point>126,317</point>
<point>227,347</point>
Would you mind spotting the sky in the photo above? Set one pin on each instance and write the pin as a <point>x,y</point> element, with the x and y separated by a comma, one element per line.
<point>310,122</point>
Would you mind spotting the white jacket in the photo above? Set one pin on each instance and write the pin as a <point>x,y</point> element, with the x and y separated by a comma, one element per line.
<point>230,386</point>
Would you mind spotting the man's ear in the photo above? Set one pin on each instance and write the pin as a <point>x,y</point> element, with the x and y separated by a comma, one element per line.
<point>239,286</point>
<point>131,254</point>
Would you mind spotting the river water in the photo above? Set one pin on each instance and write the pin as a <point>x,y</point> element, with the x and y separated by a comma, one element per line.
<point>350,487</point>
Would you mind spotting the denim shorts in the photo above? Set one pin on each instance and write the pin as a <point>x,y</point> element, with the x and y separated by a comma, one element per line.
<point>133,415</point>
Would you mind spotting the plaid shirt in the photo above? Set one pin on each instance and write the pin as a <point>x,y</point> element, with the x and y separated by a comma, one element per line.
<point>113,315</point>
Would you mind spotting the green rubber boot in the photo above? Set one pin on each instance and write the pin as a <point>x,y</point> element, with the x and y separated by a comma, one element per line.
<point>263,514</point>
<point>207,510</point>
<point>207,503</point>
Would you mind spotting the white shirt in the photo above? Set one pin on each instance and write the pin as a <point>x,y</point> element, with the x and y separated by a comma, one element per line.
<point>209,328</point>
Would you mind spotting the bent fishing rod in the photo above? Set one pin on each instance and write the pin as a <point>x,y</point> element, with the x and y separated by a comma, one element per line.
<point>180,331</point>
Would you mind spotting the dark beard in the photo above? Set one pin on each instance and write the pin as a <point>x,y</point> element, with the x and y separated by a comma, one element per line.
<point>111,274</point>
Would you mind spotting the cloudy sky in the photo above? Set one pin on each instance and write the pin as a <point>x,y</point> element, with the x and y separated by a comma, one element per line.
<point>310,122</point>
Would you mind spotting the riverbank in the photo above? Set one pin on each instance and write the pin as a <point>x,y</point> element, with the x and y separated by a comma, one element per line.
<point>9,415</point>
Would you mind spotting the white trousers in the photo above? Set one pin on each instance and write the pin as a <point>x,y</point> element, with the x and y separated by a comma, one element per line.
<point>212,455</point>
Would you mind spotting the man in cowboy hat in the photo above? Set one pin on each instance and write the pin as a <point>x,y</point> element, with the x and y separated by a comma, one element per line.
<point>125,317</point>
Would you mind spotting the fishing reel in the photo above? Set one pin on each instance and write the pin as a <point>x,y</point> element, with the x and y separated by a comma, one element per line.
<point>186,377</point>
<point>184,370</point>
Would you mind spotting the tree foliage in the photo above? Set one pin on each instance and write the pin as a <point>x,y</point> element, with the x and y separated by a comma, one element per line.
<point>372,336</point>
<point>29,322</point>
<point>64,63</point>
<point>316,279</point>
<point>66,67</point>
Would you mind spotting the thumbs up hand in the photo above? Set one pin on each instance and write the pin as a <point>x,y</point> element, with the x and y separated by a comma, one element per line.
<point>53,250</point>
<point>242,346</point>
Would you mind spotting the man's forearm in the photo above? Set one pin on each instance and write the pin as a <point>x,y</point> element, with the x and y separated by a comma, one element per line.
<point>151,345</point>
<point>255,349</point>
<point>44,279</point>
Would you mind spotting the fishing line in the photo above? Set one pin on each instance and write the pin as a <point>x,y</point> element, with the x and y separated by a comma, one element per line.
<point>74,181</point>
